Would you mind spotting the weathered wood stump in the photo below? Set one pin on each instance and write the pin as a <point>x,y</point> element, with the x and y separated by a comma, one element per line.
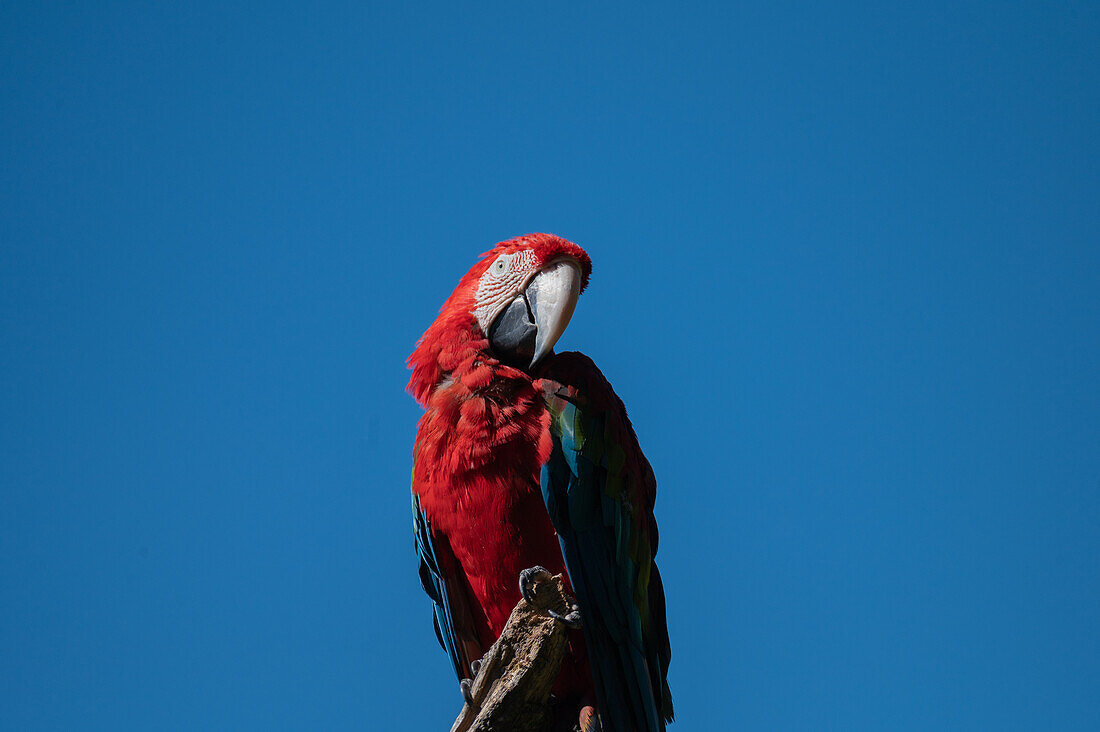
<point>511,690</point>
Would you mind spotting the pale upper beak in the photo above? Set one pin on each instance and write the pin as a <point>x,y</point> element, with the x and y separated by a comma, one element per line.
<point>532,323</point>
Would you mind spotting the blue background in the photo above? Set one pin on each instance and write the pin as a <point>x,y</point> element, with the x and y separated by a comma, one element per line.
<point>847,280</point>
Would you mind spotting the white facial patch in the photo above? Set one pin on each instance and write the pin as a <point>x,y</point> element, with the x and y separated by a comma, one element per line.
<point>500,284</point>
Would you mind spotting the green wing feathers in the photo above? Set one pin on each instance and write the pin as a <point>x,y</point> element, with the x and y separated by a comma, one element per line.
<point>599,490</point>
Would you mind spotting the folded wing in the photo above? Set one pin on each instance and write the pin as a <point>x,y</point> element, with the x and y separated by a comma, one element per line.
<point>599,491</point>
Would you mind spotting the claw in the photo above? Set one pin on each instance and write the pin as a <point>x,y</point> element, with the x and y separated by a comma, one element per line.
<point>475,666</point>
<point>571,619</point>
<point>466,687</point>
<point>528,578</point>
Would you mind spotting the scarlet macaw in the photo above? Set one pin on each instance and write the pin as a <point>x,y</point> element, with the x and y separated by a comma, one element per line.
<point>526,458</point>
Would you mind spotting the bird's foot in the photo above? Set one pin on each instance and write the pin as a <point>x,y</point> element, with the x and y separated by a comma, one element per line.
<point>466,687</point>
<point>571,619</point>
<point>475,666</point>
<point>529,578</point>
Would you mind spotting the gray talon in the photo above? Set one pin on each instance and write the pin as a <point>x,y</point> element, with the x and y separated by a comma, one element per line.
<point>466,687</point>
<point>528,578</point>
<point>572,619</point>
<point>475,666</point>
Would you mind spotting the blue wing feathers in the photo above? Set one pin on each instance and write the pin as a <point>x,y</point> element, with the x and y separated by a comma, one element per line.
<point>434,584</point>
<point>592,489</point>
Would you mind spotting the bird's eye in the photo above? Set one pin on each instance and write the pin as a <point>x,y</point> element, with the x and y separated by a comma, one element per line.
<point>500,266</point>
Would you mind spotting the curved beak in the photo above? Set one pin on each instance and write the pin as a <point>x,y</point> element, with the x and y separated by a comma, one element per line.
<point>553,296</point>
<point>526,331</point>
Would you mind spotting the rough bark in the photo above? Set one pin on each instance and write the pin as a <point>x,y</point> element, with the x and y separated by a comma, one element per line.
<point>511,690</point>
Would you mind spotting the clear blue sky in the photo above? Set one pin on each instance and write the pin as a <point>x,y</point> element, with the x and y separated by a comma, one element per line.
<point>847,281</point>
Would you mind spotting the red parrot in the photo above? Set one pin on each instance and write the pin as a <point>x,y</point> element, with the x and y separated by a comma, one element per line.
<point>525,458</point>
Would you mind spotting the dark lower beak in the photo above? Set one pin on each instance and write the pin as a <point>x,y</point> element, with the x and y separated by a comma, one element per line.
<point>513,334</point>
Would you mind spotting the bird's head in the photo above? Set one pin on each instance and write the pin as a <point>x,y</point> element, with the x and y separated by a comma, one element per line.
<point>510,308</point>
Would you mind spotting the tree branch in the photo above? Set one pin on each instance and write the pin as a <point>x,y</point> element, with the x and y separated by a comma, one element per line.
<point>511,690</point>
